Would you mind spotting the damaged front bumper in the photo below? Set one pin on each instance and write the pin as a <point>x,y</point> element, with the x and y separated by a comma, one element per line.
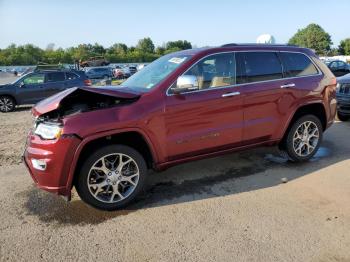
<point>57,155</point>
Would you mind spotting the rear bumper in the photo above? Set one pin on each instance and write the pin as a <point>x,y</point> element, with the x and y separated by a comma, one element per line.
<point>58,155</point>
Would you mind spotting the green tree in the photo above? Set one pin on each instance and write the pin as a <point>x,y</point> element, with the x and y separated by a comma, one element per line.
<point>313,36</point>
<point>344,47</point>
<point>97,49</point>
<point>179,44</point>
<point>145,45</point>
<point>160,50</point>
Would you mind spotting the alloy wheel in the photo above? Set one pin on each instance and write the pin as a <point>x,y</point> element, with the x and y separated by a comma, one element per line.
<point>306,138</point>
<point>113,178</point>
<point>6,104</point>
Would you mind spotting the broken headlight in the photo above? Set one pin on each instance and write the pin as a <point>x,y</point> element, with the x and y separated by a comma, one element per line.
<point>48,130</point>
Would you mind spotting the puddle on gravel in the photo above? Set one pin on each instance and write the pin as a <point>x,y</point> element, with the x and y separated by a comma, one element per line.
<point>322,152</point>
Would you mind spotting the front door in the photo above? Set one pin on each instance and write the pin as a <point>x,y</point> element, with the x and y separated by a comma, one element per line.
<point>209,118</point>
<point>31,88</point>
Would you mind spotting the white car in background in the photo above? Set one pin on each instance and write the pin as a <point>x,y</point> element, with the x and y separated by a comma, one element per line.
<point>140,66</point>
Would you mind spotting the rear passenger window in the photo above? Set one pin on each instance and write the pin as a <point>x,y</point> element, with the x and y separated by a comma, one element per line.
<point>257,66</point>
<point>71,76</point>
<point>55,76</point>
<point>297,64</point>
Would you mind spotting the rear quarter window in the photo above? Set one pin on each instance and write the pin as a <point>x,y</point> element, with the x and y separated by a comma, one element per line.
<point>297,64</point>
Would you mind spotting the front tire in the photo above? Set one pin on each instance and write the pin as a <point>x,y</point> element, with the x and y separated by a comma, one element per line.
<point>111,177</point>
<point>303,138</point>
<point>7,104</point>
<point>342,117</point>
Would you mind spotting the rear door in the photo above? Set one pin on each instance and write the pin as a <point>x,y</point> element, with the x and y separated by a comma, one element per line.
<point>72,80</point>
<point>210,118</point>
<point>260,76</point>
<point>270,94</point>
<point>55,82</point>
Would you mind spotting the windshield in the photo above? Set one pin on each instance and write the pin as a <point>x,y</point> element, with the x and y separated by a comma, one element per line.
<point>154,73</point>
<point>19,80</point>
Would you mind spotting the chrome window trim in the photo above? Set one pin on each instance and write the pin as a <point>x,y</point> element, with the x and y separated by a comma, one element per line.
<point>238,85</point>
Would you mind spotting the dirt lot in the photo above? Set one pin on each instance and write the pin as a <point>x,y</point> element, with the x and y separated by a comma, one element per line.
<point>231,208</point>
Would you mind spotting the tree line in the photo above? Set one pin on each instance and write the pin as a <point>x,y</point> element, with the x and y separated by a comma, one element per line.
<point>144,51</point>
<point>313,36</point>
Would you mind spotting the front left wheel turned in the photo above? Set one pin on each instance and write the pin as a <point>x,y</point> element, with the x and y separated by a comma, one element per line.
<point>111,177</point>
<point>7,104</point>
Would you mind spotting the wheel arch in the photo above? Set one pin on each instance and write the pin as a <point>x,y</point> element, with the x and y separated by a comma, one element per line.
<point>316,108</point>
<point>132,137</point>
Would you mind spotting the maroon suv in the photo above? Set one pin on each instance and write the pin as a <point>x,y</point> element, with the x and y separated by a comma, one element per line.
<point>184,106</point>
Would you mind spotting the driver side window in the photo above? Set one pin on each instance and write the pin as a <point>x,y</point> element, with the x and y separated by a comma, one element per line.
<point>214,71</point>
<point>33,79</point>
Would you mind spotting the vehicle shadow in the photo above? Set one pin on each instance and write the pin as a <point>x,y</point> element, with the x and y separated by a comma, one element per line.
<point>22,108</point>
<point>215,177</point>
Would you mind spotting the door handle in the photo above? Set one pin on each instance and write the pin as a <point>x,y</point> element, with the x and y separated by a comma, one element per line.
<point>231,94</point>
<point>288,85</point>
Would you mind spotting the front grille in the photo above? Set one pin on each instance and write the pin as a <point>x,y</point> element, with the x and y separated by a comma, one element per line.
<point>344,89</point>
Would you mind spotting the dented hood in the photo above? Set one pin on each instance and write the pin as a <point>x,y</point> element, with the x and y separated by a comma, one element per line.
<point>53,102</point>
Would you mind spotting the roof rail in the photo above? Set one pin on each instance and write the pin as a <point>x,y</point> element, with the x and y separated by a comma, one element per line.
<point>50,67</point>
<point>256,44</point>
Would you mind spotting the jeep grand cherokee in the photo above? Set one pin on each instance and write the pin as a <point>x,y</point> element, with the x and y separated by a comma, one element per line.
<point>184,106</point>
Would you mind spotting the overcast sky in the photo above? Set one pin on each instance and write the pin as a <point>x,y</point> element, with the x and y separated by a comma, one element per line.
<point>212,22</point>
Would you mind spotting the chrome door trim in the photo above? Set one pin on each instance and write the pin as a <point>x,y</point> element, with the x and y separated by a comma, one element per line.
<point>288,85</point>
<point>231,94</point>
<point>238,85</point>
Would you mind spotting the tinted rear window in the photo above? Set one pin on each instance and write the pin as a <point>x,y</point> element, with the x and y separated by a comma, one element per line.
<point>55,76</point>
<point>71,76</point>
<point>257,66</point>
<point>297,64</point>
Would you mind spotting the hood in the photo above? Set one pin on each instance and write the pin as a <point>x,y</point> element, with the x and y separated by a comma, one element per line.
<point>84,99</point>
<point>5,86</point>
<point>345,79</point>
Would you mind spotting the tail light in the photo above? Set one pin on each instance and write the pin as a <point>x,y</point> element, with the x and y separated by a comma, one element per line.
<point>87,82</point>
<point>333,81</point>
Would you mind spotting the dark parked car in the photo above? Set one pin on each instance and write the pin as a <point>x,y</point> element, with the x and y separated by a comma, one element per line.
<point>95,61</point>
<point>99,72</point>
<point>338,68</point>
<point>343,97</point>
<point>38,85</point>
<point>132,69</point>
<point>184,106</point>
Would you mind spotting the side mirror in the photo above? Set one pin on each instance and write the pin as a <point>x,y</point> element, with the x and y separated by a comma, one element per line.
<point>185,83</point>
<point>22,84</point>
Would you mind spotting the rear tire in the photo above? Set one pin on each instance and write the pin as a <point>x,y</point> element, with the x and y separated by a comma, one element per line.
<point>111,177</point>
<point>303,138</point>
<point>7,104</point>
<point>342,117</point>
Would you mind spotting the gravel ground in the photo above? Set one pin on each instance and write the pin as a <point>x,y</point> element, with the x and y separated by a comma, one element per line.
<point>13,129</point>
<point>249,206</point>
